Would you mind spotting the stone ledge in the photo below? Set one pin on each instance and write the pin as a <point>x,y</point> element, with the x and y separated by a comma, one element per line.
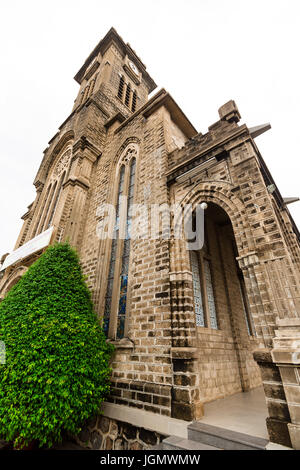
<point>285,356</point>
<point>146,419</point>
<point>184,353</point>
<point>262,355</point>
<point>123,343</point>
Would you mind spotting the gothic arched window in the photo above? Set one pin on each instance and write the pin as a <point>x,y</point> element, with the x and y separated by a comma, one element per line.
<point>50,201</point>
<point>116,298</point>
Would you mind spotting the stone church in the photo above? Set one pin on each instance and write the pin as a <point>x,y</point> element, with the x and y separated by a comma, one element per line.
<point>190,326</point>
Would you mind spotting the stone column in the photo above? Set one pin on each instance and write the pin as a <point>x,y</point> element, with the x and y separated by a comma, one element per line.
<point>279,417</point>
<point>286,356</point>
<point>255,282</point>
<point>186,402</point>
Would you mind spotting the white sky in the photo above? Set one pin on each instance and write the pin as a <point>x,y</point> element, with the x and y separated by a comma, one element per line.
<point>204,52</point>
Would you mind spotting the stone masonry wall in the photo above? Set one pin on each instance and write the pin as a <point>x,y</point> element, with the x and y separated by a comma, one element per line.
<point>101,433</point>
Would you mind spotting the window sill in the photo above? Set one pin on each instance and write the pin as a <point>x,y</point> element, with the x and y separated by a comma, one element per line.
<point>210,330</point>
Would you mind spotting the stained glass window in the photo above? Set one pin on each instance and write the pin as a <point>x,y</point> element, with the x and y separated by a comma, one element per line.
<point>204,300</point>
<point>125,256</point>
<point>113,255</point>
<point>210,295</point>
<point>117,283</point>
<point>197,289</point>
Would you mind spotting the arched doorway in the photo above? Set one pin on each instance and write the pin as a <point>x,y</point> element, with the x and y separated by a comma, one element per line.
<point>225,332</point>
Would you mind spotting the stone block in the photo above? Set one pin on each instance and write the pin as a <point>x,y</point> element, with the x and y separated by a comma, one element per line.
<point>294,431</point>
<point>278,431</point>
<point>274,390</point>
<point>278,410</point>
<point>292,393</point>
<point>295,413</point>
<point>183,411</point>
<point>289,375</point>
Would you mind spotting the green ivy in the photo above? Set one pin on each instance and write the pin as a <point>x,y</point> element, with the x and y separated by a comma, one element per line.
<point>57,370</point>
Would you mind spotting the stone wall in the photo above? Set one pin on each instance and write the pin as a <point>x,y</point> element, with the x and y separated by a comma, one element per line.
<point>101,433</point>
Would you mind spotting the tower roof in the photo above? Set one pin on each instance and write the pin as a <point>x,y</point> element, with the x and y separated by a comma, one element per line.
<point>125,48</point>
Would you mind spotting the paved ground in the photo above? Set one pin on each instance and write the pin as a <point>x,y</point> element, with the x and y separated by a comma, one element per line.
<point>244,412</point>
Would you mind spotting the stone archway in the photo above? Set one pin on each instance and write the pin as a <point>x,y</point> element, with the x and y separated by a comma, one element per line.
<point>225,334</point>
<point>224,365</point>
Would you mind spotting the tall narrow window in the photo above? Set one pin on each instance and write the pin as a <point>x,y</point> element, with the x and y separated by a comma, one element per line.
<point>195,265</point>
<point>127,96</point>
<point>56,199</point>
<point>116,299</point>
<point>210,295</point>
<point>204,298</point>
<point>46,210</point>
<point>125,256</point>
<point>113,255</point>
<point>50,202</point>
<point>93,84</point>
<point>121,87</point>
<point>134,96</point>
<point>42,210</point>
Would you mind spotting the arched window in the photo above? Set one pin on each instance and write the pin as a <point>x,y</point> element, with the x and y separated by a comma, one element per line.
<point>116,299</point>
<point>114,244</point>
<point>204,297</point>
<point>47,195</point>
<point>47,207</point>
<point>56,199</point>
<point>53,192</point>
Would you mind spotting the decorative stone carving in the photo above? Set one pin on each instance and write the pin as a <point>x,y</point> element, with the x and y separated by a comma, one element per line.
<point>130,152</point>
<point>62,163</point>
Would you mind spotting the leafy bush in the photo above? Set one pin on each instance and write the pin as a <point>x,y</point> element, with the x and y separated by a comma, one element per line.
<point>57,359</point>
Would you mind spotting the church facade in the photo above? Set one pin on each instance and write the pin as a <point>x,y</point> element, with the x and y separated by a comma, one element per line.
<point>190,325</point>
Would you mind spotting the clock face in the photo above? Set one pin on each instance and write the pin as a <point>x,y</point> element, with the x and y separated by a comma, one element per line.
<point>133,68</point>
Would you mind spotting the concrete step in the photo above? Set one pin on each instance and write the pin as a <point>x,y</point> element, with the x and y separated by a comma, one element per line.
<point>224,438</point>
<point>178,443</point>
<point>158,446</point>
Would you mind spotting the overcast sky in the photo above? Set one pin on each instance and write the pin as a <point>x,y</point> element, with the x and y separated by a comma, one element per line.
<point>204,52</point>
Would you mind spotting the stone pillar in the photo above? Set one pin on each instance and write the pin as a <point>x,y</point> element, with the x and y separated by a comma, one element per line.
<point>279,417</point>
<point>255,281</point>
<point>286,356</point>
<point>186,402</point>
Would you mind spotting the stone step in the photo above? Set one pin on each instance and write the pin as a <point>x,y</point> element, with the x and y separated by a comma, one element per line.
<point>224,438</point>
<point>178,443</point>
<point>158,446</point>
